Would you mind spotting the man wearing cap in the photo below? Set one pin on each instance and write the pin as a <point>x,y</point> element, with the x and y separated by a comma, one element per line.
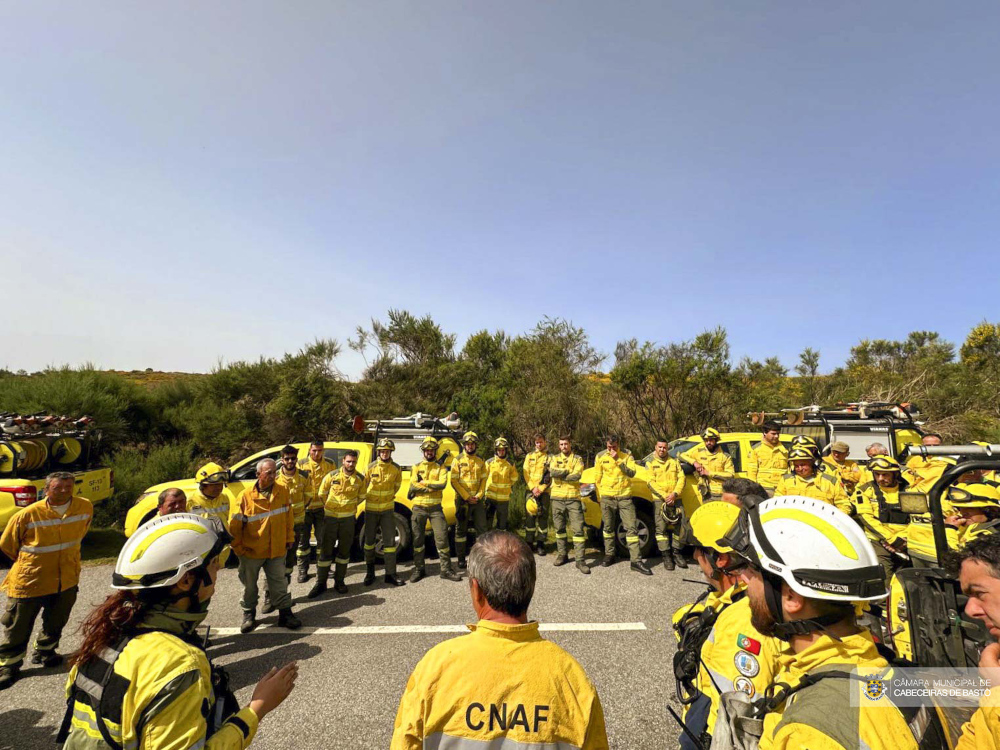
<point>876,505</point>
<point>614,468</point>
<point>429,478</point>
<point>841,467</point>
<point>468,479</point>
<point>806,479</point>
<point>768,461</point>
<point>383,480</point>
<point>711,463</point>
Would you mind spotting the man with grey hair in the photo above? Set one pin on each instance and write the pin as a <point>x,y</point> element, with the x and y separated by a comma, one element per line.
<point>171,500</point>
<point>502,684</point>
<point>871,450</point>
<point>262,528</point>
<point>43,540</point>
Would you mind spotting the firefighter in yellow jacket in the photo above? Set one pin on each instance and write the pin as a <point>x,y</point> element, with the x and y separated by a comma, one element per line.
<point>295,484</point>
<point>43,540</point>
<point>468,479</point>
<point>208,500</point>
<point>666,482</point>
<point>141,677</point>
<point>807,480</point>
<point>768,461</point>
<point>614,468</point>
<point>263,531</point>
<point>538,480</point>
<point>839,465</point>
<point>429,478</point>
<point>501,475</point>
<point>383,480</point>
<point>712,464</point>
<point>502,685</point>
<point>876,506</point>
<point>566,468</point>
<point>342,491</point>
<point>314,467</point>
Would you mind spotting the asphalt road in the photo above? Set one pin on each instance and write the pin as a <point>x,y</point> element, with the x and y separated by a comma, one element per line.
<point>349,684</point>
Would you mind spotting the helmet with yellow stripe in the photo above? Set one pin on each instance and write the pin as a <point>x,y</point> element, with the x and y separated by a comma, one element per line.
<point>884,464</point>
<point>814,548</point>
<point>974,495</point>
<point>162,550</point>
<point>710,433</point>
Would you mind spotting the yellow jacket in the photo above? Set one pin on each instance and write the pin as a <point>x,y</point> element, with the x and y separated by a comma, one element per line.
<point>500,684</point>
<point>382,482</point>
<point>167,684</point>
<point>535,464</point>
<point>665,476</point>
<point>848,472</point>
<point>718,465</point>
<point>296,485</point>
<point>429,478</point>
<point>315,473</point>
<point>819,486</point>
<point>820,717</point>
<point>262,527</point>
<point>207,507</point>
<point>613,476</point>
<point>45,548</point>
<point>923,473</point>
<point>868,510</point>
<point>468,476</point>
<point>342,493</point>
<point>501,475</point>
<point>766,465</point>
<point>566,486</point>
<point>982,732</point>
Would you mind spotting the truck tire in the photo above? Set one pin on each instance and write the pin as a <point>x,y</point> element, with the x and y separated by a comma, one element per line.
<point>403,537</point>
<point>645,529</point>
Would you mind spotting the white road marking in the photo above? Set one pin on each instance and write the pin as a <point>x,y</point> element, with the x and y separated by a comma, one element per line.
<point>545,627</point>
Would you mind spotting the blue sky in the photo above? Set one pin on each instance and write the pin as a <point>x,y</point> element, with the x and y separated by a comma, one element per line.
<point>187,182</point>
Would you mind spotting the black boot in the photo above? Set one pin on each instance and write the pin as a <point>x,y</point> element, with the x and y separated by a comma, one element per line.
<point>303,572</point>
<point>679,560</point>
<point>417,574</point>
<point>249,621</point>
<point>339,586</point>
<point>287,619</point>
<point>640,567</point>
<point>461,562</point>
<point>8,676</point>
<point>318,588</point>
<point>541,549</point>
<point>268,608</point>
<point>582,566</point>
<point>393,581</point>
<point>560,560</point>
<point>369,574</point>
<point>607,561</point>
<point>668,560</point>
<point>450,575</point>
<point>47,659</point>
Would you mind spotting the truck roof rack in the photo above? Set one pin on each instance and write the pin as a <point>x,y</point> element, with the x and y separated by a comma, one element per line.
<point>843,410</point>
<point>418,424</point>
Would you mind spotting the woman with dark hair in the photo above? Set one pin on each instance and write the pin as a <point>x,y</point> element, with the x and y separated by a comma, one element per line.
<point>142,679</point>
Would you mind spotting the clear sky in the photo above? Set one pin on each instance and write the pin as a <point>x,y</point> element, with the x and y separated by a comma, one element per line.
<point>187,181</point>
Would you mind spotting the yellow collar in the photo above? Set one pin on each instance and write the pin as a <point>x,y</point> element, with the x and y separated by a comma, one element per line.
<point>521,632</point>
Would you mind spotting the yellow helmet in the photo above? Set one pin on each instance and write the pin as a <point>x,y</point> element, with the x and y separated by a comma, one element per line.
<point>386,444</point>
<point>801,454</point>
<point>710,432</point>
<point>800,440</point>
<point>531,506</point>
<point>429,442</point>
<point>470,437</point>
<point>974,495</point>
<point>883,463</point>
<point>711,521</point>
<point>212,473</point>
<point>501,442</point>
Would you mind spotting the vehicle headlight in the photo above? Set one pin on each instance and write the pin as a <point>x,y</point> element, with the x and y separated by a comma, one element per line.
<point>586,490</point>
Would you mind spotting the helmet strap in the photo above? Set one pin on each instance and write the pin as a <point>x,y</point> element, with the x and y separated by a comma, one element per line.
<point>785,629</point>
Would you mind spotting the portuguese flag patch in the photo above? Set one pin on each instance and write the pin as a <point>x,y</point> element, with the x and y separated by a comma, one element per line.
<point>748,644</point>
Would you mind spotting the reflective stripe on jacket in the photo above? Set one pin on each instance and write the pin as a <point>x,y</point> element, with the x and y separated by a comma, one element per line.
<point>823,716</point>
<point>566,487</point>
<point>468,476</point>
<point>501,686</point>
<point>819,486</point>
<point>766,464</point>
<point>314,473</point>
<point>535,464</point>
<point>296,484</point>
<point>156,698</point>
<point>718,465</point>
<point>262,527</point>
<point>433,478</point>
<point>868,508</point>
<point>501,475</point>
<point>383,480</point>
<point>207,507</point>
<point>45,548</point>
<point>342,493</point>
<point>613,476</point>
<point>665,477</point>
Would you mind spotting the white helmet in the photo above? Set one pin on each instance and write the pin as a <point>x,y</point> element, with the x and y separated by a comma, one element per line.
<point>163,549</point>
<point>814,547</point>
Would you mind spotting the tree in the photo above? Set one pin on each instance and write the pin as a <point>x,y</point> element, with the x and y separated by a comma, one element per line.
<point>808,369</point>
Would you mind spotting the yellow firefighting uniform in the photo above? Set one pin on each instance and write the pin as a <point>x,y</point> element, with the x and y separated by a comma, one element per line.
<point>429,479</point>
<point>567,507</point>
<point>501,475</point>
<point>45,548</point>
<point>468,479</point>
<point>923,473</point>
<point>263,529</point>
<point>295,483</point>
<point>535,465</point>
<point>766,465</point>
<point>207,507</point>
<point>982,732</point>
<point>613,478</point>
<point>877,508</point>
<point>819,486</point>
<point>718,465</point>
<point>849,473</point>
<point>341,494</point>
<point>384,478</point>
<point>314,524</point>
<point>665,477</point>
<point>499,685</point>
<point>820,717</point>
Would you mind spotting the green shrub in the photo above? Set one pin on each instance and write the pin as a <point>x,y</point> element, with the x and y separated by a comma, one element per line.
<point>136,469</point>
